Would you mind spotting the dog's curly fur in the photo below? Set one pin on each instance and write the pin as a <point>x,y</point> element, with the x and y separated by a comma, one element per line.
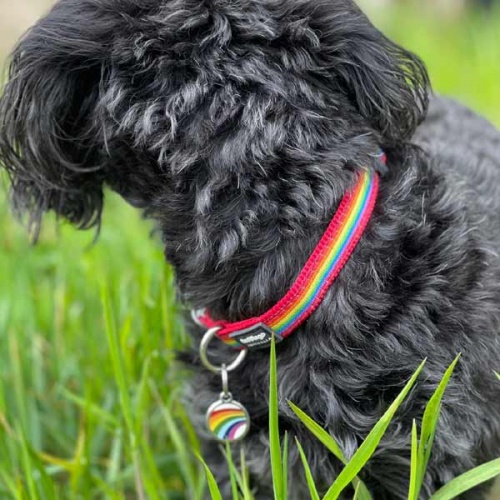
<point>238,125</point>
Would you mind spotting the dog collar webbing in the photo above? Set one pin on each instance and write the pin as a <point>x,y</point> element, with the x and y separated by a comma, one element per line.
<point>321,269</point>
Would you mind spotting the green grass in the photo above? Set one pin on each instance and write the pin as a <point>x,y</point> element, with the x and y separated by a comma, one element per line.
<point>88,390</point>
<point>89,396</point>
<point>420,450</point>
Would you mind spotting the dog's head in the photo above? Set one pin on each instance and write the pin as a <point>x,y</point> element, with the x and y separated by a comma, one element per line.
<point>186,107</point>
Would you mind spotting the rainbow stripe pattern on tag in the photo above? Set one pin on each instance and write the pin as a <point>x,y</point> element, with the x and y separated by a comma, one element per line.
<point>228,421</point>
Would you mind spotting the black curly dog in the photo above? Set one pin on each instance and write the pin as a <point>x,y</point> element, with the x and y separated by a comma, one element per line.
<point>238,125</point>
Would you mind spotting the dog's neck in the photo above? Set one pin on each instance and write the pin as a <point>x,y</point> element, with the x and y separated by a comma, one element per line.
<point>323,266</point>
<point>256,244</point>
<point>240,259</point>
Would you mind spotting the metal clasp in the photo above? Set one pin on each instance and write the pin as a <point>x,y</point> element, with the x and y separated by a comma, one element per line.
<point>205,342</point>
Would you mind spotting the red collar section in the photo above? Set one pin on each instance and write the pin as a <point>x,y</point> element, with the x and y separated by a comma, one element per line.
<point>321,269</point>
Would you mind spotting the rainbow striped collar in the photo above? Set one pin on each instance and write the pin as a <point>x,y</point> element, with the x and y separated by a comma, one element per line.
<point>321,269</point>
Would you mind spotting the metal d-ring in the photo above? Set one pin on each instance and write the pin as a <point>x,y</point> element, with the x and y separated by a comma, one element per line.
<point>207,338</point>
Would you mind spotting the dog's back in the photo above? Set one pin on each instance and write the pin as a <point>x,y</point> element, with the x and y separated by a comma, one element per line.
<point>466,148</point>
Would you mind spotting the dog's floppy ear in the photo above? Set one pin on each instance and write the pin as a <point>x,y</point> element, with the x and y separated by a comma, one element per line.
<point>47,121</point>
<point>387,84</point>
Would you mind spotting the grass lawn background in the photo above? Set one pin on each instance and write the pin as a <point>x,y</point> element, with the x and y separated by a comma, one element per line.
<point>88,394</point>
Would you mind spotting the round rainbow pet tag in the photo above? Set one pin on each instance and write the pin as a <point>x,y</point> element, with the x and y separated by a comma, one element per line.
<point>228,420</point>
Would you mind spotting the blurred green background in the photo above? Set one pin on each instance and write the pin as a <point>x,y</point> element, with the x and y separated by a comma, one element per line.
<point>89,396</point>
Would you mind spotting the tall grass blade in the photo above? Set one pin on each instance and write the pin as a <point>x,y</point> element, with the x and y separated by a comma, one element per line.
<point>85,404</point>
<point>233,473</point>
<point>80,460</point>
<point>118,363</point>
<point>369,445</point>
<point>245,484</point>
<point>145,486</point>
<point>9,483</point>
<point>40,485</point>
<point>274,433</point>
<point>29,470</point>
<point>115,457</point>
<point>177,438</point>
<point>356,492</point>
<point>313,491</point>
<point>363,493</point>
<point>429,424</point>
<point>330,443</point>
<point>319,432</point>
<point>469,480</point>
<point>414,468</point>
<point>284,464</point>
<point>212,483</point>
<point>241,478</point>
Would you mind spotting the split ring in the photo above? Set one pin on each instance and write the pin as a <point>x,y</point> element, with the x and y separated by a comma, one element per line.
<point>207,338</point>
